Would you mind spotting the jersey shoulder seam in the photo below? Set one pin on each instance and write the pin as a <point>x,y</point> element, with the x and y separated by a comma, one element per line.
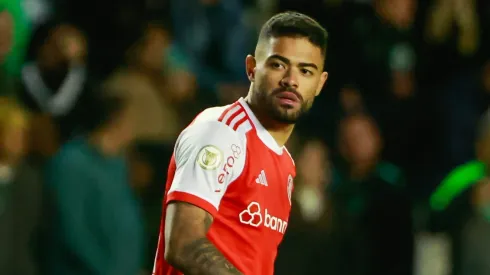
<point>235,117</point>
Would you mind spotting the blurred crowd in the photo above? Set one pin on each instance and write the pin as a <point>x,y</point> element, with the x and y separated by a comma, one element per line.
<point>82,81</point>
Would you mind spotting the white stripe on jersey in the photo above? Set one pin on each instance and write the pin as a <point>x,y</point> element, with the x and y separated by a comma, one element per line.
<point>244,127</point>
<point>231,112</point>
<point>237,118</point>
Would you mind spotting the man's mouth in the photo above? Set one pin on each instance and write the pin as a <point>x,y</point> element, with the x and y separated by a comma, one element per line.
<point>288,96</point>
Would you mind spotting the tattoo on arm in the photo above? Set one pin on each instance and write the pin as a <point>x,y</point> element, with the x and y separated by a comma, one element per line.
<point>208,221</point>
<point>202,255</point>
<point>197,256</point>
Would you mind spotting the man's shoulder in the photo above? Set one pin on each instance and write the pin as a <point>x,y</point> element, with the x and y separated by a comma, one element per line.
<point>210,114</point>
<point>221,121</point>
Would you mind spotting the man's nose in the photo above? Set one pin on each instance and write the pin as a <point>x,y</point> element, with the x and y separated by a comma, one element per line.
<point>290,79</point>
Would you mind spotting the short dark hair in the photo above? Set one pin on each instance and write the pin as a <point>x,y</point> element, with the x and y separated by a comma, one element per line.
<point>295,24</point>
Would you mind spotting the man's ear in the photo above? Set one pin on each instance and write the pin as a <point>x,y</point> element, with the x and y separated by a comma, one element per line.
<point>323,79</point>
<point>250,64</point>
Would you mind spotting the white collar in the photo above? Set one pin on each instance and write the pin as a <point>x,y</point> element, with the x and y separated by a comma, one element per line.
<point>262,133</point>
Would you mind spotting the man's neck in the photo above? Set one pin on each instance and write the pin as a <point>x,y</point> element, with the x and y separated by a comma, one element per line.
<point>279,131</point>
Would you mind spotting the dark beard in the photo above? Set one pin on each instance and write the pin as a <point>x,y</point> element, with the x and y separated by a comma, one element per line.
<point>278,114</point>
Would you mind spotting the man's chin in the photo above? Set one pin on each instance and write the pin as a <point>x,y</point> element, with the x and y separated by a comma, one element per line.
<point>286,116</point>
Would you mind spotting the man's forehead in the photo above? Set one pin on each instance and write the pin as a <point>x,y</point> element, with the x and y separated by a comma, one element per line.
<point>296,49</point>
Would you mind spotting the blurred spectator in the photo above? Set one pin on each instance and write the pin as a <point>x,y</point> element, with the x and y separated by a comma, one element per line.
<point>476,241</point>
<point>45,140</point>
<point>7,31</point>
<point>351,100</point>
<point>384,46</point>
<point>476,227</point>
<point>96,227</point>
<point>432,254</point>
<point>371,213</point>
<point>310,221</point>
<point>453,32</point>
<point>216,53</point>
<point>464,217</point>
<point>14,36</point>
<point>314,177</point>
<point>157,86</point>
<point>156,123</point>
<point>7,81</point>
<point>111,27</point>
<point>141,172</point>
<point>482,140</point>
<point>381,58</point>
<point>38,11</point>
<point>54,79</point>
<point>465,99</point>
<point>20,194</point>
<point>158,82</point>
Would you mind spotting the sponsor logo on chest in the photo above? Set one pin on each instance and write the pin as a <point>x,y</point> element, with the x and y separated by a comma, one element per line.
<point>255,216</point>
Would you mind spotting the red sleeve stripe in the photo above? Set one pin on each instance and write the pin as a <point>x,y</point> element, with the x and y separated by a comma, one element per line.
<point>240,121</point>
<point>234,116</point>
<point>192,199</point>
<point>232,108</point>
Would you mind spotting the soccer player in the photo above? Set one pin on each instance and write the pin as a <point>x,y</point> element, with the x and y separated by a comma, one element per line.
<point>228,193</point>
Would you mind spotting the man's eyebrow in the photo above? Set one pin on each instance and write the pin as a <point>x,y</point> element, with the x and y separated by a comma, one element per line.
<point>287,61</point>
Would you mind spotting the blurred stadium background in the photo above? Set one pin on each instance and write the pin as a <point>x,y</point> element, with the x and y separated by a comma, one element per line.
<point>404,106</point>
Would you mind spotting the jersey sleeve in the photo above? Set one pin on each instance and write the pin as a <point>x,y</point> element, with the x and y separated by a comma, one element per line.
<point>208,158</point>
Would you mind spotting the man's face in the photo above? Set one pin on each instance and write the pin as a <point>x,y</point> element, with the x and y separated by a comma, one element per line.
<point>286,75</point>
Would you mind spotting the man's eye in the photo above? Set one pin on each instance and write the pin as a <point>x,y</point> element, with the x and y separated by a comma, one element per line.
<point>277,65</point>
<point>306,72</point>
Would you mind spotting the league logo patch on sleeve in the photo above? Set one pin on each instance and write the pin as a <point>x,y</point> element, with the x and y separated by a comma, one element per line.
<point>209,157</point>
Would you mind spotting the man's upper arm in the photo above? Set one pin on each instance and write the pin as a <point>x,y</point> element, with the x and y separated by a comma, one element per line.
<point>208,157</point>
<point>186,223</point>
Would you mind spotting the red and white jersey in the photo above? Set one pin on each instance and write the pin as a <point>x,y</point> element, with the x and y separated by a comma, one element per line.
<point>228,164</point>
